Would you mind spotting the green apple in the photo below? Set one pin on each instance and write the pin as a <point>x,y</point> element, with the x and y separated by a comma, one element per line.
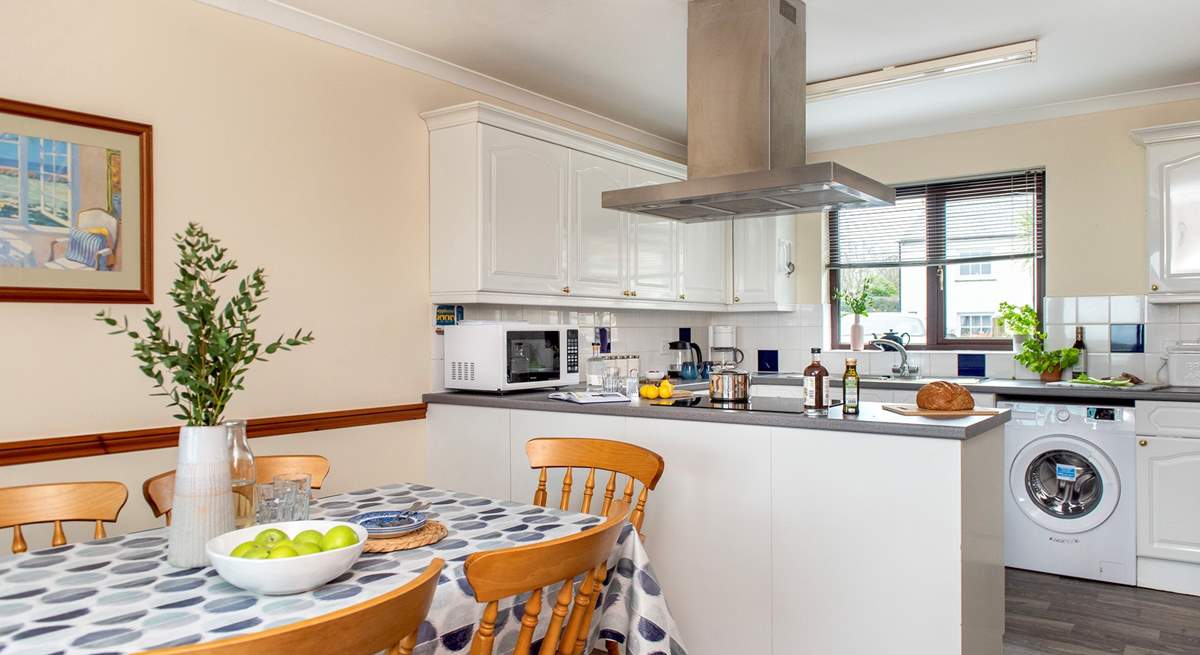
<point>277,544</point>
<point>282,551</point>
<point>242,549</point>
<point>258,552</point>
<point>308,536</point>
<point>339,536</point>
<point>305,548</point>
<point>269,537</point>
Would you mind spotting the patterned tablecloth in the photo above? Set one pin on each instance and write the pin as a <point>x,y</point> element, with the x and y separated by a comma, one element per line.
<point>118,595</point>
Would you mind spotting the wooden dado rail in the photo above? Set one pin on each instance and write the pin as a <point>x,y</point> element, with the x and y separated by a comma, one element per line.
<point>104,443</point>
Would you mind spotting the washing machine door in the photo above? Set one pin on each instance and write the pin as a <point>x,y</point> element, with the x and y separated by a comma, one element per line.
<point>1064,483</point>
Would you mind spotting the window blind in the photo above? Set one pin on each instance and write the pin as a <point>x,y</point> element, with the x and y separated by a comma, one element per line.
<point>968,220</point>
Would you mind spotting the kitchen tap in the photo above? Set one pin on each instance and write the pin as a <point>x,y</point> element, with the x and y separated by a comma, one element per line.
<point>903,370</point>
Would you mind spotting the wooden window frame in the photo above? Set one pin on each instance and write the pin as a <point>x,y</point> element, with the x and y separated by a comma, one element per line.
<point>935,296</point>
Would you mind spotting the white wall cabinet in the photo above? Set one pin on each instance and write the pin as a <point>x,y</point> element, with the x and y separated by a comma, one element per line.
<point>515,218</point>
<point>763,267</point>
<point>599,237</point>
<point>1173,210</point>
<point>1168,498</point>
<point>704,261</point>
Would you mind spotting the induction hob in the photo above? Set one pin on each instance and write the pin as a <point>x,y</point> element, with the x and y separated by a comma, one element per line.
<point>775,405</point>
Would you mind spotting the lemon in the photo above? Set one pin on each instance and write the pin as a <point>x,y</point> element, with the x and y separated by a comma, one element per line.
<point>665,389</point>
<point>649,391</point>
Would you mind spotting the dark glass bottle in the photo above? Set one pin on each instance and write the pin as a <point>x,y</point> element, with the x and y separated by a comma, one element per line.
<point>816,386</point>
<point>1080,367</point>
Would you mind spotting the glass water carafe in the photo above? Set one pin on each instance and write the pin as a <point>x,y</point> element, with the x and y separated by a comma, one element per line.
<point>241,473</point>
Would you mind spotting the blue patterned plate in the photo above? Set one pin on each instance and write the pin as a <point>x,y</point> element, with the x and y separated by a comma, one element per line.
<point>386,524</point>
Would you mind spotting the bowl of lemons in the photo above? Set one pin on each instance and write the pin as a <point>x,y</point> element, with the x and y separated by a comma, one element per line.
<point>286,558</point>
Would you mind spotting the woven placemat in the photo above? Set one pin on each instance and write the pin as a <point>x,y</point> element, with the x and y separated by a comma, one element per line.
<point>431,533</point>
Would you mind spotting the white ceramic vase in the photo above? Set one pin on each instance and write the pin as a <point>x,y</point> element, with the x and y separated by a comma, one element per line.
<point>856,334</point>
<point>203,503</point>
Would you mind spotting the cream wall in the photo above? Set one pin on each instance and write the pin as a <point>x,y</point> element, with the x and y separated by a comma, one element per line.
<point>306,159</point>
<point>1095,189</point>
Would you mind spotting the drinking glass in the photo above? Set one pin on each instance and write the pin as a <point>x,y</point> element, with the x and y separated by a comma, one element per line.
<point>266,503</point>
<point>303,492</point>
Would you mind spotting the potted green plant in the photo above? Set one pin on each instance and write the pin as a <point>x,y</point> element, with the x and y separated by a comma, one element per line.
<point>1049,363</point>
<point>859,301</point>
<point>198,377</point>
<point>1020,323</point>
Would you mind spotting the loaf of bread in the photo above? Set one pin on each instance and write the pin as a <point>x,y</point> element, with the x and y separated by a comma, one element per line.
<point>945,396</point>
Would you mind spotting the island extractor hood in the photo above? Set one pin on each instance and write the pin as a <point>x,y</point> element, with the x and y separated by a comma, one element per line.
<point>746,150</point>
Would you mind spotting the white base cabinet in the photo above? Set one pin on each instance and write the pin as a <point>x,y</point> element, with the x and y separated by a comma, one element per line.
<point>1168,496</point>
<point>783,541</point>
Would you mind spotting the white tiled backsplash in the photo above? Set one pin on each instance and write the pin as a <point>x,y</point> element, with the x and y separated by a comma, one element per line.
<point>646,333</point>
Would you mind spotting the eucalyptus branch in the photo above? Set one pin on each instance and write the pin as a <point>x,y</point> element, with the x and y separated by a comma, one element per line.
<point>198,377</point>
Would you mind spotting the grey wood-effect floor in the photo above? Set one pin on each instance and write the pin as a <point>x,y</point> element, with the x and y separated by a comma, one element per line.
<point>1053,615</point>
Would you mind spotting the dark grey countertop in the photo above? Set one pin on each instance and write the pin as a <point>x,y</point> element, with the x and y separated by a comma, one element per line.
<point>1027,388</point>
<point>873,419</point>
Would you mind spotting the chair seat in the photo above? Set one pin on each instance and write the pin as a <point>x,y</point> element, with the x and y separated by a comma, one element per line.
<point>64,264</point>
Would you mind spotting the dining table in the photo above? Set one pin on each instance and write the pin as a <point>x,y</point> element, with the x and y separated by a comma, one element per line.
<point>119,595</point>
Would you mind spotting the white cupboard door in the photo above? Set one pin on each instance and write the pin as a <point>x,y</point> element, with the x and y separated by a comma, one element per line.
<point>1168,498</point>
<point>599,236</point>
<point>465,444</point>
<point>524,204</point>
<point>1174,207</point>
<point>703,255</point>
<point>653,256</point>
<point>753,263</point>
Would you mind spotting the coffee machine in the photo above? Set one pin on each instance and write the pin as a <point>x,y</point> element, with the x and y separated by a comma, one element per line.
<point>722,345</point>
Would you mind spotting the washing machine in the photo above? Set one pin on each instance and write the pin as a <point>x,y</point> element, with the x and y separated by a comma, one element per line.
<point>1069,503</point>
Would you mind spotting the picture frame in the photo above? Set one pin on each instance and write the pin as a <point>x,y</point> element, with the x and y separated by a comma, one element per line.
<point>76,206</point>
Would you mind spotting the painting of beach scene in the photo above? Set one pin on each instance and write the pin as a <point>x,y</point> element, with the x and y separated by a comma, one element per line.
<point>69,228</point>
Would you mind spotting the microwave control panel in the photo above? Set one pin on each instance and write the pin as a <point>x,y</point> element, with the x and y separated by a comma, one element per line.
<point>572,351</point>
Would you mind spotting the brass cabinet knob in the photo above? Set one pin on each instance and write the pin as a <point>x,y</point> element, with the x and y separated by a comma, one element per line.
<point>683,296</point>
<point>566,289</point>
<point>736,299</point>
<point>1154,287</point>
<point>625,293</point>
<point>633,293</point>
<point>1143,442</point>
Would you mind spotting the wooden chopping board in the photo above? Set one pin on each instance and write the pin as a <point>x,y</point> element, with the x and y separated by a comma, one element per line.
<point>913,410</point>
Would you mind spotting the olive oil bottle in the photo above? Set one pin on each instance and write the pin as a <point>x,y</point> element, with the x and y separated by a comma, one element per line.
<point>850,387</point>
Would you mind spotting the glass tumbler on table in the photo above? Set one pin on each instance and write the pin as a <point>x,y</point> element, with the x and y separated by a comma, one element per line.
<point>302,495</point>
<point>275,501</point>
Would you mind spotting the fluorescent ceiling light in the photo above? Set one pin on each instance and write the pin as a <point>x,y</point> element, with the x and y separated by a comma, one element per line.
<point>960,64</point>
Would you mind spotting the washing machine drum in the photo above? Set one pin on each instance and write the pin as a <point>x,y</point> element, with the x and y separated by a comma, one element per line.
<point>1064,483</point>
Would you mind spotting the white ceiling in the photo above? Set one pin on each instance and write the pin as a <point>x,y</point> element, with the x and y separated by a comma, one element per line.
<point>625,59</point>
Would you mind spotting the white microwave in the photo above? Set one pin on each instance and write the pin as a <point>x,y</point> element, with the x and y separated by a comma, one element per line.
<point>511,356</point>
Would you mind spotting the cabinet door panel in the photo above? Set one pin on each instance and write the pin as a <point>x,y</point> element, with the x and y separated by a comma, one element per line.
<point>598,235</point>
<point>654,247</point>
<point>704,247</point>
<point>524,204</point>
<point>753,270</point>
<point>1168,498</point>
<point>465,444</point>
<point>1173,232</point>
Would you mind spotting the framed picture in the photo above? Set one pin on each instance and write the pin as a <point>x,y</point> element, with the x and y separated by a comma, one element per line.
<point>76,203</point>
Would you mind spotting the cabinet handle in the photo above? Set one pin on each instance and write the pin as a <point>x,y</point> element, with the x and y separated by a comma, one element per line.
<point>633,293</point>
<point>625,293</point>
<point>736,299</point>
<point>566,289</point>
<point>1154,287</point>
<point>1143,442</point>
<point>683,296</point>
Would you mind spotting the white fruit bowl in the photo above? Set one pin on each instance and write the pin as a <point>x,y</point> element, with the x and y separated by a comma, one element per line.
<point>289,575</point>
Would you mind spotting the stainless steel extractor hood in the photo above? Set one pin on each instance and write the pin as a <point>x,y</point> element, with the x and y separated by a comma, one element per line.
<point>746,151</point>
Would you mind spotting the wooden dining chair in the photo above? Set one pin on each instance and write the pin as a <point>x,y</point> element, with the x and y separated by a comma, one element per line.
<point>160,489</point>
<point>67,501</point>
<point>384,623</point>
<point>498,574</point>
<point>615,457</point>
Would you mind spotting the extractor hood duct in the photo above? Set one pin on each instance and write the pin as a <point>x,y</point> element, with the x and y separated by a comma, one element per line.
<point>746,151</point>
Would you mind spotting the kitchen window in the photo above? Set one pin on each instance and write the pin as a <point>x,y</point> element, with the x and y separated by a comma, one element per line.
<point>941,260</point>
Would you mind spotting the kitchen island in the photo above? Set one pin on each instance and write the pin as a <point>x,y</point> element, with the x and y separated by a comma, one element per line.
<point>777,532</point>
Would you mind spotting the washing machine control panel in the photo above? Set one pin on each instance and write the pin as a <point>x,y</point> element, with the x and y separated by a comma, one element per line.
<point>1102,413</point>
